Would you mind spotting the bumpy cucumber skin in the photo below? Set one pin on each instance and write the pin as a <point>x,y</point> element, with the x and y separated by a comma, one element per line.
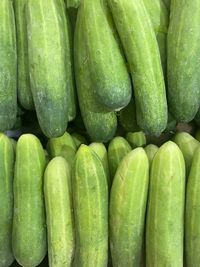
<point>127,209</point>
<point>142,53</point>
<point>58,203</point>
<point>29,231</point>
<point>111,80</point>
<point>151,150</point>
<point>47,48</point>
<point>24,90</point>
<point>8,66</point>
<point>90,198</point>
<point>117,150</point>
<point>165,212</point>
<point>183,62</point>
<point>137,139</point>
<point>187,144</point>
<point>6,200</point>
<point>100,123</point>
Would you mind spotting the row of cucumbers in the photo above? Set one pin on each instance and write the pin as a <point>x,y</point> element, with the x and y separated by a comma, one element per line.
<point>89,206</point>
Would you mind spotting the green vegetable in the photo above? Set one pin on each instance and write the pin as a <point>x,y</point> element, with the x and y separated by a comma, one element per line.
<point>151,150</point>
<point>78,139</point>
<point>136,139</point>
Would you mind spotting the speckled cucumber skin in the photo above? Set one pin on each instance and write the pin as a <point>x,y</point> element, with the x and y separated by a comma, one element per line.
<point>90,197</point>
<point>7,157</point>
<point>165,212</point>
<point>141,48</point>
<point>8,66</point>
<point>127,209</point>
<point>29,229</point>
<point>58,203</point>
<point>183,61</point>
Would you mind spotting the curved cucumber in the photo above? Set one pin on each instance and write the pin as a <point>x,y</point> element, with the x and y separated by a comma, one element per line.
<point>24,90</point>
<point>136,139</point>
<point>58,202</point>
<point>127,209</point>
<point>183,62</point>
<point>8,66</point>
<point>29,231</point>
<point>6,200</point>
<point>90,195</point>
<point>140,46</point>
<point>165,212</point>
<point>151,150</point>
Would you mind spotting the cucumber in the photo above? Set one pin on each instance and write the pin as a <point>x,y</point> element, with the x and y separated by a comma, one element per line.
<point>24,90</point>
<point>100,150</point>
<point>78,139</point>
<point>142,53</point>
<point>58,203</point>
<point>165,212</point>
<point>73,3</point>
<point>7,157</point>
<point>192,213</point>
<point>151,150</point>
<point>14,143</point>
<point>29,230</point>
<point>100,123</point>
<point>118,148</point>
<point>8,66</point>
<point>183,62</point>
<point>167,3</point>
<point>90,197</point>
<point>48,46</point>
<point>137,139</point>
<point>127,209</point>
<point>109,74</point>
<point>187,144</point>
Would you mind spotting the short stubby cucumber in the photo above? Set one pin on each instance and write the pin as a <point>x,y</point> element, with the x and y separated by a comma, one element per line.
<point>29,229</point>
<point>58,203</point>
<point>136,139</point>
<point>192,213</point>
<point>24,90</point>
<point>109,73</point>
<point>118,148</point>
<point>183,60</point>
<point>142,52</point>
<point>151,150</point>
<point>48,53</point>
<point>90,199</point>
<point>127,209</point>
<point>8,66</point>
<point>165,212</point>
<point>100,123</point>
<point>7,157</point>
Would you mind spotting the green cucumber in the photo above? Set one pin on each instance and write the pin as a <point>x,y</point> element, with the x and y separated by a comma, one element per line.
<point>29,230</point>
<point>151,150</point>
<point>118,148</point>
<point>137,139</point>
<point>24,90</point>
<point>49,63</point>
<point>8,66</point>
<point>90,195</point>
<point>73,3</point>
<point>167,3</point>
<point>7,157</point>
<point>140,46</point>
<point>192,213</point>
<point>58,202</point>
<point>183,62</point>
<point>100,123</point>
<point>127,209</point>
<point>78,139</point>
<point>165,212</point>
<point>100,150</point>
<point>14,143</point>
<point>109,74</point>
<point>187,144</point>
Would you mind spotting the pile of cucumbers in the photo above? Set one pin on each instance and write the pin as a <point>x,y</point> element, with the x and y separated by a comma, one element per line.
<point>125,203</point>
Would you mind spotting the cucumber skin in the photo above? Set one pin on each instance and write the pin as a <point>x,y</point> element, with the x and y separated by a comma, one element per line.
<point>151,150</point>
<point>90,199</point>
<point>29,231</point>
<point>147,75</point>
<point>100,123</point>
<point>58,203</point>
<point>183,62</point>
<point>165,212</point>
<point>24,90</point>
<point>8,66</point>
<point>49,85</point>
<point>127,207</point>
<point>167,3</point>
<point>6,200</point>
<point>136,139</point>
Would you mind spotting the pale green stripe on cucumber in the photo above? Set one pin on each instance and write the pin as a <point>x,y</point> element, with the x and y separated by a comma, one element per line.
<point>136,139</point>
